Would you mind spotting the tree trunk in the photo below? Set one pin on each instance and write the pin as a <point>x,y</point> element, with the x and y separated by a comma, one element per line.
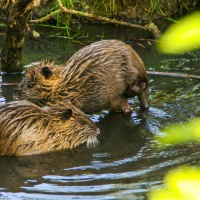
<point>11,55</point>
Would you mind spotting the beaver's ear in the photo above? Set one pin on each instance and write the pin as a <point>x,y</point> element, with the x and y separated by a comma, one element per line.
<point>46,72</point>
<point>67,114</point>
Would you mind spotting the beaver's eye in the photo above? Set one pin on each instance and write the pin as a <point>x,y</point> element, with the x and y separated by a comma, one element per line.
<point>67,114</point>
<point>31,85</point>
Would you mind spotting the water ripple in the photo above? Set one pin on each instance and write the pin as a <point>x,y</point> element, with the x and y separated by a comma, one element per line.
<point>115,176</point>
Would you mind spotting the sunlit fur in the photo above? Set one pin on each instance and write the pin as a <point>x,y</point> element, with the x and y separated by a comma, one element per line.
<point>99,76</point>
<point>27,129</point>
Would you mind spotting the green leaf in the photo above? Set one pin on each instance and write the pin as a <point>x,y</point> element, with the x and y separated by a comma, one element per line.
<point>181,183</point>
<point>180,133</point>
<point>182,36</point>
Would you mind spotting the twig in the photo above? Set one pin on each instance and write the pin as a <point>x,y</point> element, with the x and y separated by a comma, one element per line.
<point>9,84</point>
<point>43,19</point>
<point>156,73</point>
<point>150,27</point>
<point>105,19</point>
<point>173,74</point>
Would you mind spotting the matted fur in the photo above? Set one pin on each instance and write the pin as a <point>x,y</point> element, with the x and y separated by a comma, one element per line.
<point>27,129</point>
<point>99,76</point>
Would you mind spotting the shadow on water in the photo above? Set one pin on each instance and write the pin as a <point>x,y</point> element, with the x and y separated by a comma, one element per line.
<point>126,164</point>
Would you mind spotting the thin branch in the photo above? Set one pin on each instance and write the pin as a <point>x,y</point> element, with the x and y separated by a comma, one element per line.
<point>156,73</point>
<point>172,74</point>
<point>151,28</point>
<point>45,18</point>
<point>9,84</point>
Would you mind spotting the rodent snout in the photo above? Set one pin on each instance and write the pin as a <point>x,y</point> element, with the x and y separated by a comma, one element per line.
<point>17,91</point>
<point>16,94</point>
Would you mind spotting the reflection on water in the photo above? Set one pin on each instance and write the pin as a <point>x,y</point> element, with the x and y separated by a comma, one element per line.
<point>126,164</point>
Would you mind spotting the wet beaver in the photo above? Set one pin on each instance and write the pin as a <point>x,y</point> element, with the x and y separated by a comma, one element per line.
<point>99,76</point>
<point>27,129</point>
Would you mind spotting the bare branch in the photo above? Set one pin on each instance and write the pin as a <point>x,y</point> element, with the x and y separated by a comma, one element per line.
<point>151,28</point>
<point>45,18</point>
<point>173,74</point>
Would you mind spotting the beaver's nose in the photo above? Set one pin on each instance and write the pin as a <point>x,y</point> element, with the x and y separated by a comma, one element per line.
<point>17,94</point>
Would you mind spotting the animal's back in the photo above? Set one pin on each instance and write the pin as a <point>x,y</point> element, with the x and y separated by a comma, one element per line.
<point>108,56</point>
<point>98,77</point>
<point>103,72</point>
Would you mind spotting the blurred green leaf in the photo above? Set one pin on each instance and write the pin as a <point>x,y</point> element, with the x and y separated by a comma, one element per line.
<point>180,133</point>
<point>183,36</point>
<point>182,183</point>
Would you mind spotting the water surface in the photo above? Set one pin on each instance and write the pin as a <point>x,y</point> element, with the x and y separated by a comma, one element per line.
<point>126,164</point>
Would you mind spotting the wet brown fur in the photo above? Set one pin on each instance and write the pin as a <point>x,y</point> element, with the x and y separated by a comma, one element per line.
<point>99,76</point>
<point>27,129</point>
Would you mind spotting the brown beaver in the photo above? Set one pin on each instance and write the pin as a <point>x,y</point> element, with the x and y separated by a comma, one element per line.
<point>27,129</point>
<point>99,76</point>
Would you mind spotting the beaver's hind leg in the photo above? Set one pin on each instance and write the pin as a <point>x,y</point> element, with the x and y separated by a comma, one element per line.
<point>138,89</point>
<point>142,96</point>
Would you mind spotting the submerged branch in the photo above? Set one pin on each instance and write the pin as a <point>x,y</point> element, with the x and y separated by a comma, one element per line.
<point>173,74</point>
<point>156,73</point>
<point>9,84</point>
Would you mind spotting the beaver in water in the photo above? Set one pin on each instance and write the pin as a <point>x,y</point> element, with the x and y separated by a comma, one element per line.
<point>98,77</point>
<point>27,129</point>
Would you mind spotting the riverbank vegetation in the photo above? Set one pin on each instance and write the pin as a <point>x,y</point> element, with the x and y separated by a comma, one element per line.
<point>139,14</point>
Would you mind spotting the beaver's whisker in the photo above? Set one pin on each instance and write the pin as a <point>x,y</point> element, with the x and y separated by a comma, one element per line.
<point>92,141</point>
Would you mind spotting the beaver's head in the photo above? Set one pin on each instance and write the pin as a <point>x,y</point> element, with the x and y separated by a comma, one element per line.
<point>38,82</point>
<point>26,128</point>
<point>72,125</point>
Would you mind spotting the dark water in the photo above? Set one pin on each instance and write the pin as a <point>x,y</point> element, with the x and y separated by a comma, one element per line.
<point>126,164</point>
